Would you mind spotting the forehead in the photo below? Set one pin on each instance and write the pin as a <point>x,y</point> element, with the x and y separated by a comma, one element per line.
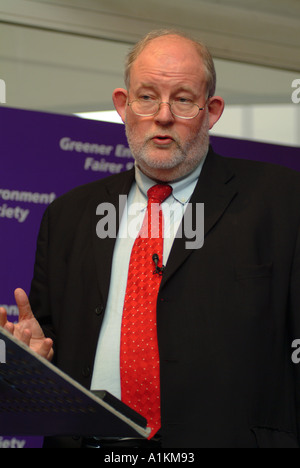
<point>169,60</point>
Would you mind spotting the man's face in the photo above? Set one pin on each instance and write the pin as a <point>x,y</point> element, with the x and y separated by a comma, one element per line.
<point>166,147</point>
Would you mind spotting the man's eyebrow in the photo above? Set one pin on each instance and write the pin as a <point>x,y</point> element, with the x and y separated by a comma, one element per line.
<point>147,85</point>
<point>180,88</point>
<point>185,88</point>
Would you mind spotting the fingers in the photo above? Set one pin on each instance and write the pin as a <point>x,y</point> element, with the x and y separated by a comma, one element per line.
<point>25,336</point>
<point>4,323</point>
<point>9,327</point>
<point>3,317</point>
<point>46,349</point>
<point>27,330</point>
<point>23,304</point>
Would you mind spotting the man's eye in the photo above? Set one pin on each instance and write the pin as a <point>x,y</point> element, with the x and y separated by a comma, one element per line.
<point>183,100</point>
<point>146,98</point>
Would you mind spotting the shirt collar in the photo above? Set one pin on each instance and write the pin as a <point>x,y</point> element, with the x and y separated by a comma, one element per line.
<point>182,188</point>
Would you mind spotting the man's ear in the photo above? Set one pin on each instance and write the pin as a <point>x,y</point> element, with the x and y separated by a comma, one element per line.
<point>216,106</point>
<point>120,101</point>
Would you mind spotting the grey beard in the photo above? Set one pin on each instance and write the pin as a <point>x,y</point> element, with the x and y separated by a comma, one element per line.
<point>183,161</point>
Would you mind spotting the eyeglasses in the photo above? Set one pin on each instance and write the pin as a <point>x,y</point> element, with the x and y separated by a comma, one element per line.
<point>181,108</point>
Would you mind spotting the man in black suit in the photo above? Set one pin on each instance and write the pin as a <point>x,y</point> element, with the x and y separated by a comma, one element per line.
<point>227,313</point>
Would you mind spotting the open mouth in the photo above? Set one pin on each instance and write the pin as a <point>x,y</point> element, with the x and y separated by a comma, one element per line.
<point>162,139</point>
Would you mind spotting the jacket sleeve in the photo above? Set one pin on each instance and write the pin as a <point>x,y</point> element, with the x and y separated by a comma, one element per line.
<point>39,296</point>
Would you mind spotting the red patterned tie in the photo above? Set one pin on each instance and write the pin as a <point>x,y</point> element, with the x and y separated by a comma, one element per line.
<point>139,357</point>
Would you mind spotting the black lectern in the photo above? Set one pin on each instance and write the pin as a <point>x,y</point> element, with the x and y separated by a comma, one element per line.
<point>37,399</point>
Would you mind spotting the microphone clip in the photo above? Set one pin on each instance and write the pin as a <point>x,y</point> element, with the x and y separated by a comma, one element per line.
<point>158,270</point>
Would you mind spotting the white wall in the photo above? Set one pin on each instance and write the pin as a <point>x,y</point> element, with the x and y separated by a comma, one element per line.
<point>53,56</point>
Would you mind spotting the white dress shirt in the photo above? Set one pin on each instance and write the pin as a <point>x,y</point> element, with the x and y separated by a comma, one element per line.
<point>106,373</point>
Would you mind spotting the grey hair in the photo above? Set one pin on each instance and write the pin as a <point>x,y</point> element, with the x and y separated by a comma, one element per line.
<point>201,48</point>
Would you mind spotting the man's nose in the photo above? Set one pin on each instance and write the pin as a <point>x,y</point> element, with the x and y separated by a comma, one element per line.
<point>164,114</point>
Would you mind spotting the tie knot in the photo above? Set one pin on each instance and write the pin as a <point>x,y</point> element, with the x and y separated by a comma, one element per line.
<point>159,192</point>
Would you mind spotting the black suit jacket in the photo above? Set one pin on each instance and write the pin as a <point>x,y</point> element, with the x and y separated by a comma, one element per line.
<point>227,313</point>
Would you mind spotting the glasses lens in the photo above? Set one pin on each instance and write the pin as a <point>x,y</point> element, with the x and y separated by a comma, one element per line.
<point>142,107</point>
<point>184,109</point>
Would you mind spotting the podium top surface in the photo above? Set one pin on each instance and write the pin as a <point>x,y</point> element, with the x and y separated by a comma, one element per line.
<point>36,398</point>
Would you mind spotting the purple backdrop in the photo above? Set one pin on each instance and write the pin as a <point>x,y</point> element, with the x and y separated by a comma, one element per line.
<point>45,155</point>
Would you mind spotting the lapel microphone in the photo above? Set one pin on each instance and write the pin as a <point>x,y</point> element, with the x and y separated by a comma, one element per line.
<point>158,270</point>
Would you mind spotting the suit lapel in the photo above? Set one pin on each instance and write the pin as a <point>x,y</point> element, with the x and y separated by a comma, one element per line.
<point>216,188</point>
<point>104,248</point>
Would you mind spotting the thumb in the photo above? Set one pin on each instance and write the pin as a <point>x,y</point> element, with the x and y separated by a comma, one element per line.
<point>23,304</point>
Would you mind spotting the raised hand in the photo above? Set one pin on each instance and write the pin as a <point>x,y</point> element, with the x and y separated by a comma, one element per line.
<point>27,329</point>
